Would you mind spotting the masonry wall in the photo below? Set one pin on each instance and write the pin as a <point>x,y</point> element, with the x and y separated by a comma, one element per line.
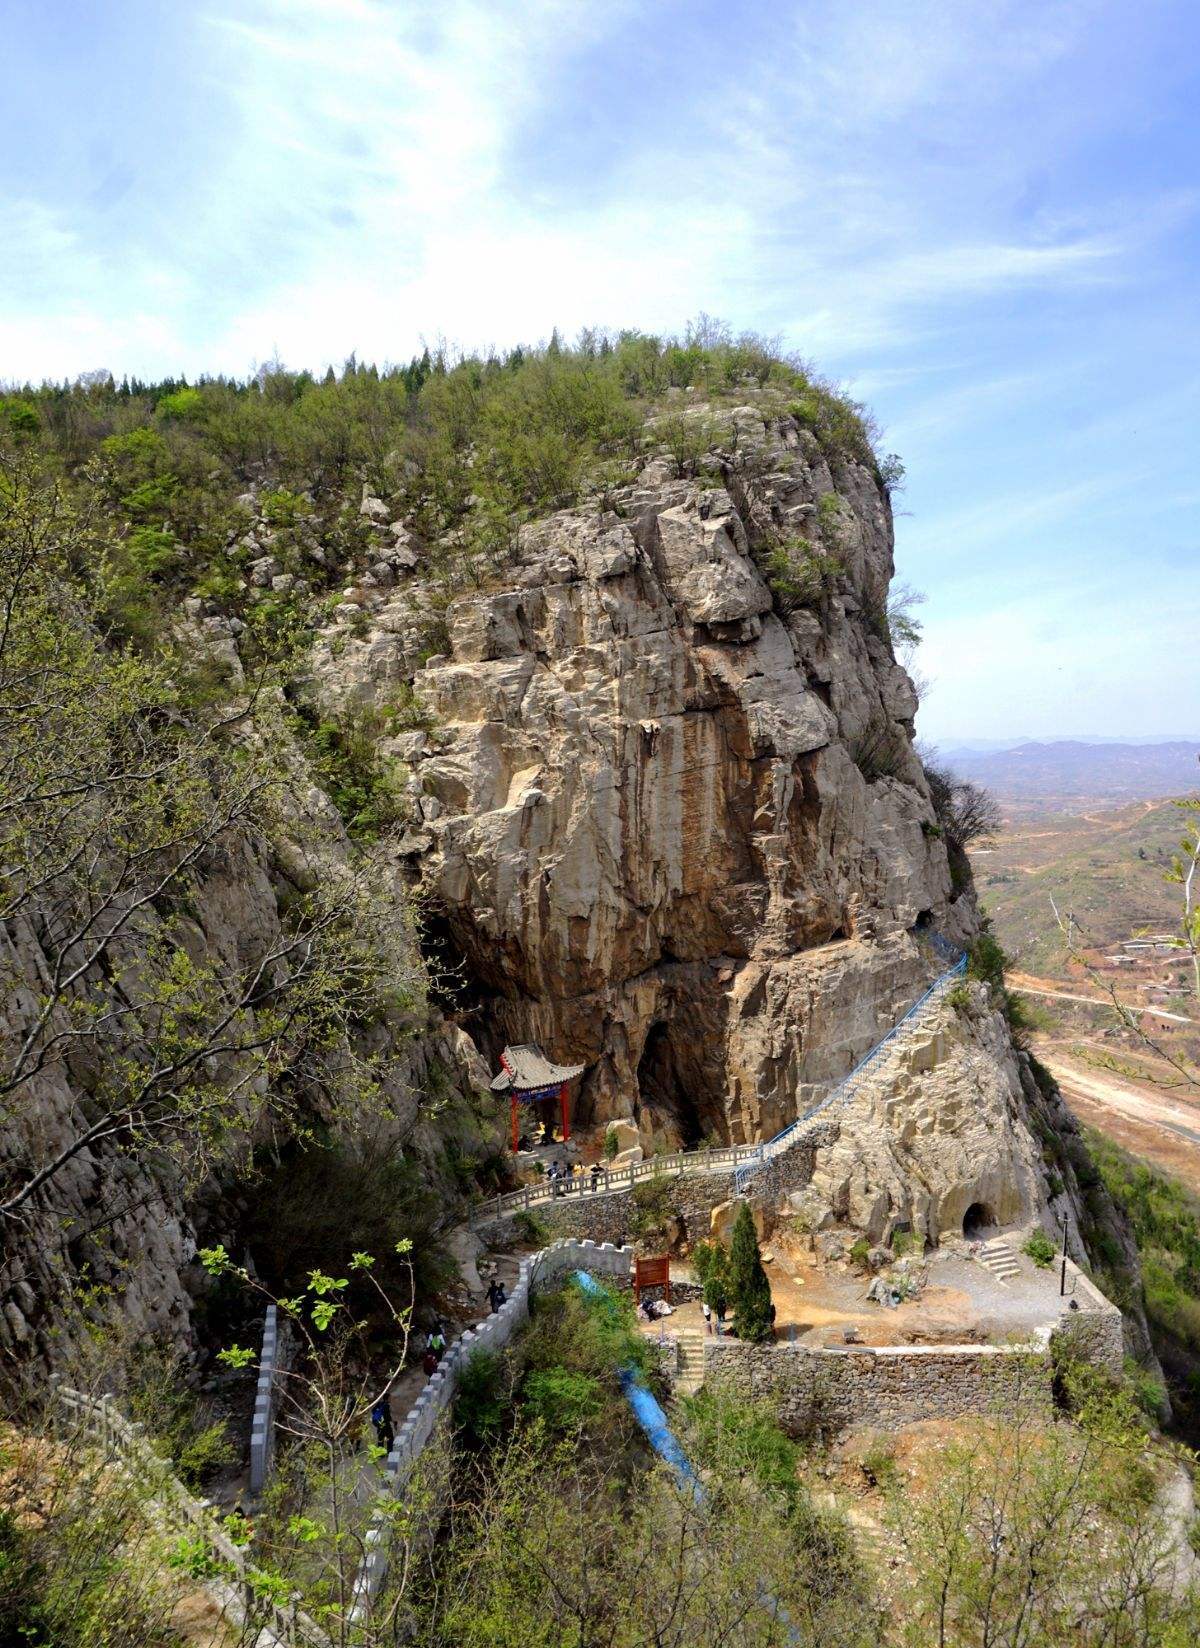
<point>830,1390</point>
<point>424,1423</point>
<point>1095,1330</point>
<point>610,1217</point>
<point>262,1423</point>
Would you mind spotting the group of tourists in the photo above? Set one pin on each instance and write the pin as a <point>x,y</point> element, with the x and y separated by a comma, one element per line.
<point>560,1176</point>
<point>381,1412</point>
<point>719,1315</point>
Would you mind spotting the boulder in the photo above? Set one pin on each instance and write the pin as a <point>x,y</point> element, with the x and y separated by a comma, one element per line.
<point>724,1216</point>
<point>811,1211</point>
<point>625,1133</point>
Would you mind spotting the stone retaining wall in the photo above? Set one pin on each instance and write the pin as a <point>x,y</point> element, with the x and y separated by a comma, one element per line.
<point>831,1390</point>
<point>541,1270</point>
<point>1096,1330</point>
<point>834,1388</point>
<point>610,1218</point>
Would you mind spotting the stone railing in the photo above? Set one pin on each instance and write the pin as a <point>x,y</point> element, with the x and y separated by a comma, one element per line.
<point>267,1622</point>
<point>583,1185</point>
<point>262,1425</point>
<point>743,1160</point>
<point>539,1270</point>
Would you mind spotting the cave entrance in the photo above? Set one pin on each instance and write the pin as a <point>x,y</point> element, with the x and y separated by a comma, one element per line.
<point>977,1220</point>
<point>661,1086</point>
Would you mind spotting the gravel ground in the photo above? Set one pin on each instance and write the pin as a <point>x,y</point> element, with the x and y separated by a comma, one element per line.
<point>963,1303</point>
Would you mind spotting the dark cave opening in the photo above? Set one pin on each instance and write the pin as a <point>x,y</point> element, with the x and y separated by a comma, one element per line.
<point>454,988</point>
<point>661,1086</point>
<point>977,1221</point>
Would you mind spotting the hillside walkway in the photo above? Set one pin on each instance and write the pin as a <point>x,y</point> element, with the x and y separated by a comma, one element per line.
<point>744,1162</point>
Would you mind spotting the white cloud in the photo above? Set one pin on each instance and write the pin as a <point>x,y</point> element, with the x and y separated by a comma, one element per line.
<point>1066,654</point>
<point>373,175</point>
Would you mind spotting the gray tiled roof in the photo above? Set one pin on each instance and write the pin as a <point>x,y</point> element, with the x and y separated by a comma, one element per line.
<point>526,1066</point>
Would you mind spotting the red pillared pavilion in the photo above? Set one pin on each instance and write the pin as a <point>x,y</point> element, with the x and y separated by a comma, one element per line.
<point>528,1074</point>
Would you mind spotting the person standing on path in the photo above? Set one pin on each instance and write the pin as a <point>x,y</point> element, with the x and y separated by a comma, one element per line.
<point>706,1308</point>
<point>381,1418</point>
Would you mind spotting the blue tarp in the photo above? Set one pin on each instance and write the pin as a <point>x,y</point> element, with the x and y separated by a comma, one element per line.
<point>663,1440</point>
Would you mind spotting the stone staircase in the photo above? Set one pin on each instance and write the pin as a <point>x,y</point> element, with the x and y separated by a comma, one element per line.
<point>913,1045</point>
<point>690,1376</point>
<point>998,1256</point>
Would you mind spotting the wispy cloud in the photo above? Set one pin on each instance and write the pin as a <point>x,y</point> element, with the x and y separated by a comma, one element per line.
<point>982,216</point>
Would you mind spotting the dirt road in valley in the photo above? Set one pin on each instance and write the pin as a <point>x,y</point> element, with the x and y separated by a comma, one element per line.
<point>1162,1126</point>
<point>1024,984</point>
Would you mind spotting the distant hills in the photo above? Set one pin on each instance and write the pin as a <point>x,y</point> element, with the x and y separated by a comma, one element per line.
<point>1072,773</point>
<point>1108,869</point>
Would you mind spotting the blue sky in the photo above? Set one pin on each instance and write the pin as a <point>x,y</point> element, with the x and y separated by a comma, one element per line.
<point>983,216</point>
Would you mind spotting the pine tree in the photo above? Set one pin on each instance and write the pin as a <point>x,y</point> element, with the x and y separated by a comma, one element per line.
<point>716,1281</point>
<point>749,1289</point>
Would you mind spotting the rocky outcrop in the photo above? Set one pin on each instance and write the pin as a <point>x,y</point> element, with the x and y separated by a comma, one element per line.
<point>118,1228</point>
<point>640,808</point>
<point>663,802</point>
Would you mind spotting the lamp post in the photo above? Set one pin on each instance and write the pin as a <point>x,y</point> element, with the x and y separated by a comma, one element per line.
<point>1062,1280</point>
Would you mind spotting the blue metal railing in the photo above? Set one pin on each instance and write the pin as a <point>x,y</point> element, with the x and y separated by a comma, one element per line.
<point>774,1147</point>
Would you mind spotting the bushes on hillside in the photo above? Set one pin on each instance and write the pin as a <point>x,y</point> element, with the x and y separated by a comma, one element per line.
<point>798,574</point>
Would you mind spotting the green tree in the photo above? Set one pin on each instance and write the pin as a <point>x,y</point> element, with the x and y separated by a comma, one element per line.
<point>749,1289</point>
<point>116,796</point>
<point>711,1261</point>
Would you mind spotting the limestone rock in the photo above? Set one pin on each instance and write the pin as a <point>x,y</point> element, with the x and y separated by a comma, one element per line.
<point>653,846</point>
<point>625,1134</point>
<point>724,1217</point>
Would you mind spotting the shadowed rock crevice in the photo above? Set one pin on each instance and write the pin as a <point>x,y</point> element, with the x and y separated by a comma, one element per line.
<point>663,1092</point>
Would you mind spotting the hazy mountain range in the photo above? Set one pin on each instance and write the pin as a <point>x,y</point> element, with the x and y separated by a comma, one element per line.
<point>1069,772</point>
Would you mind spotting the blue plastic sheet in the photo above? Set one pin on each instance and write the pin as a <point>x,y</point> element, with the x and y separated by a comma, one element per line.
<point>652,1419</point>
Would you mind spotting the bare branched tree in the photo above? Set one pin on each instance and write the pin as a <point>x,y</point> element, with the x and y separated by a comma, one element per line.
<point>966,812</point>
<point>118,797</point>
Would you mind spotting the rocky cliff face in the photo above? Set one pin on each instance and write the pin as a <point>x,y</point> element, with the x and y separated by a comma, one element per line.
<point>120,1227</point>
<point>680,832</point>
<point>668,817</point>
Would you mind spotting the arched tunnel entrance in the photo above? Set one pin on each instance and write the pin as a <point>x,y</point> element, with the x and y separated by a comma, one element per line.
<point>662,1088</point>
<point>977,1221</point>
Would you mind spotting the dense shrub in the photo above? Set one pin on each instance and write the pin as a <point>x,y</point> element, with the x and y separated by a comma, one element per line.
<point>481,1403</point>
<point>365,786</point>
<point>749,1289</point>
<point>652,1205</point>
<point>798,574</point>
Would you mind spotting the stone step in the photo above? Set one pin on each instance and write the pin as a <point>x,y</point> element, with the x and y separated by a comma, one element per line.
<point>998,1256</point>
<point>690,1375</point>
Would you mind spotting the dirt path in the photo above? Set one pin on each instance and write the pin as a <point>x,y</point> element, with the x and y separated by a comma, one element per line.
<point>1164,1128</point>
<point>1024,984</point>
